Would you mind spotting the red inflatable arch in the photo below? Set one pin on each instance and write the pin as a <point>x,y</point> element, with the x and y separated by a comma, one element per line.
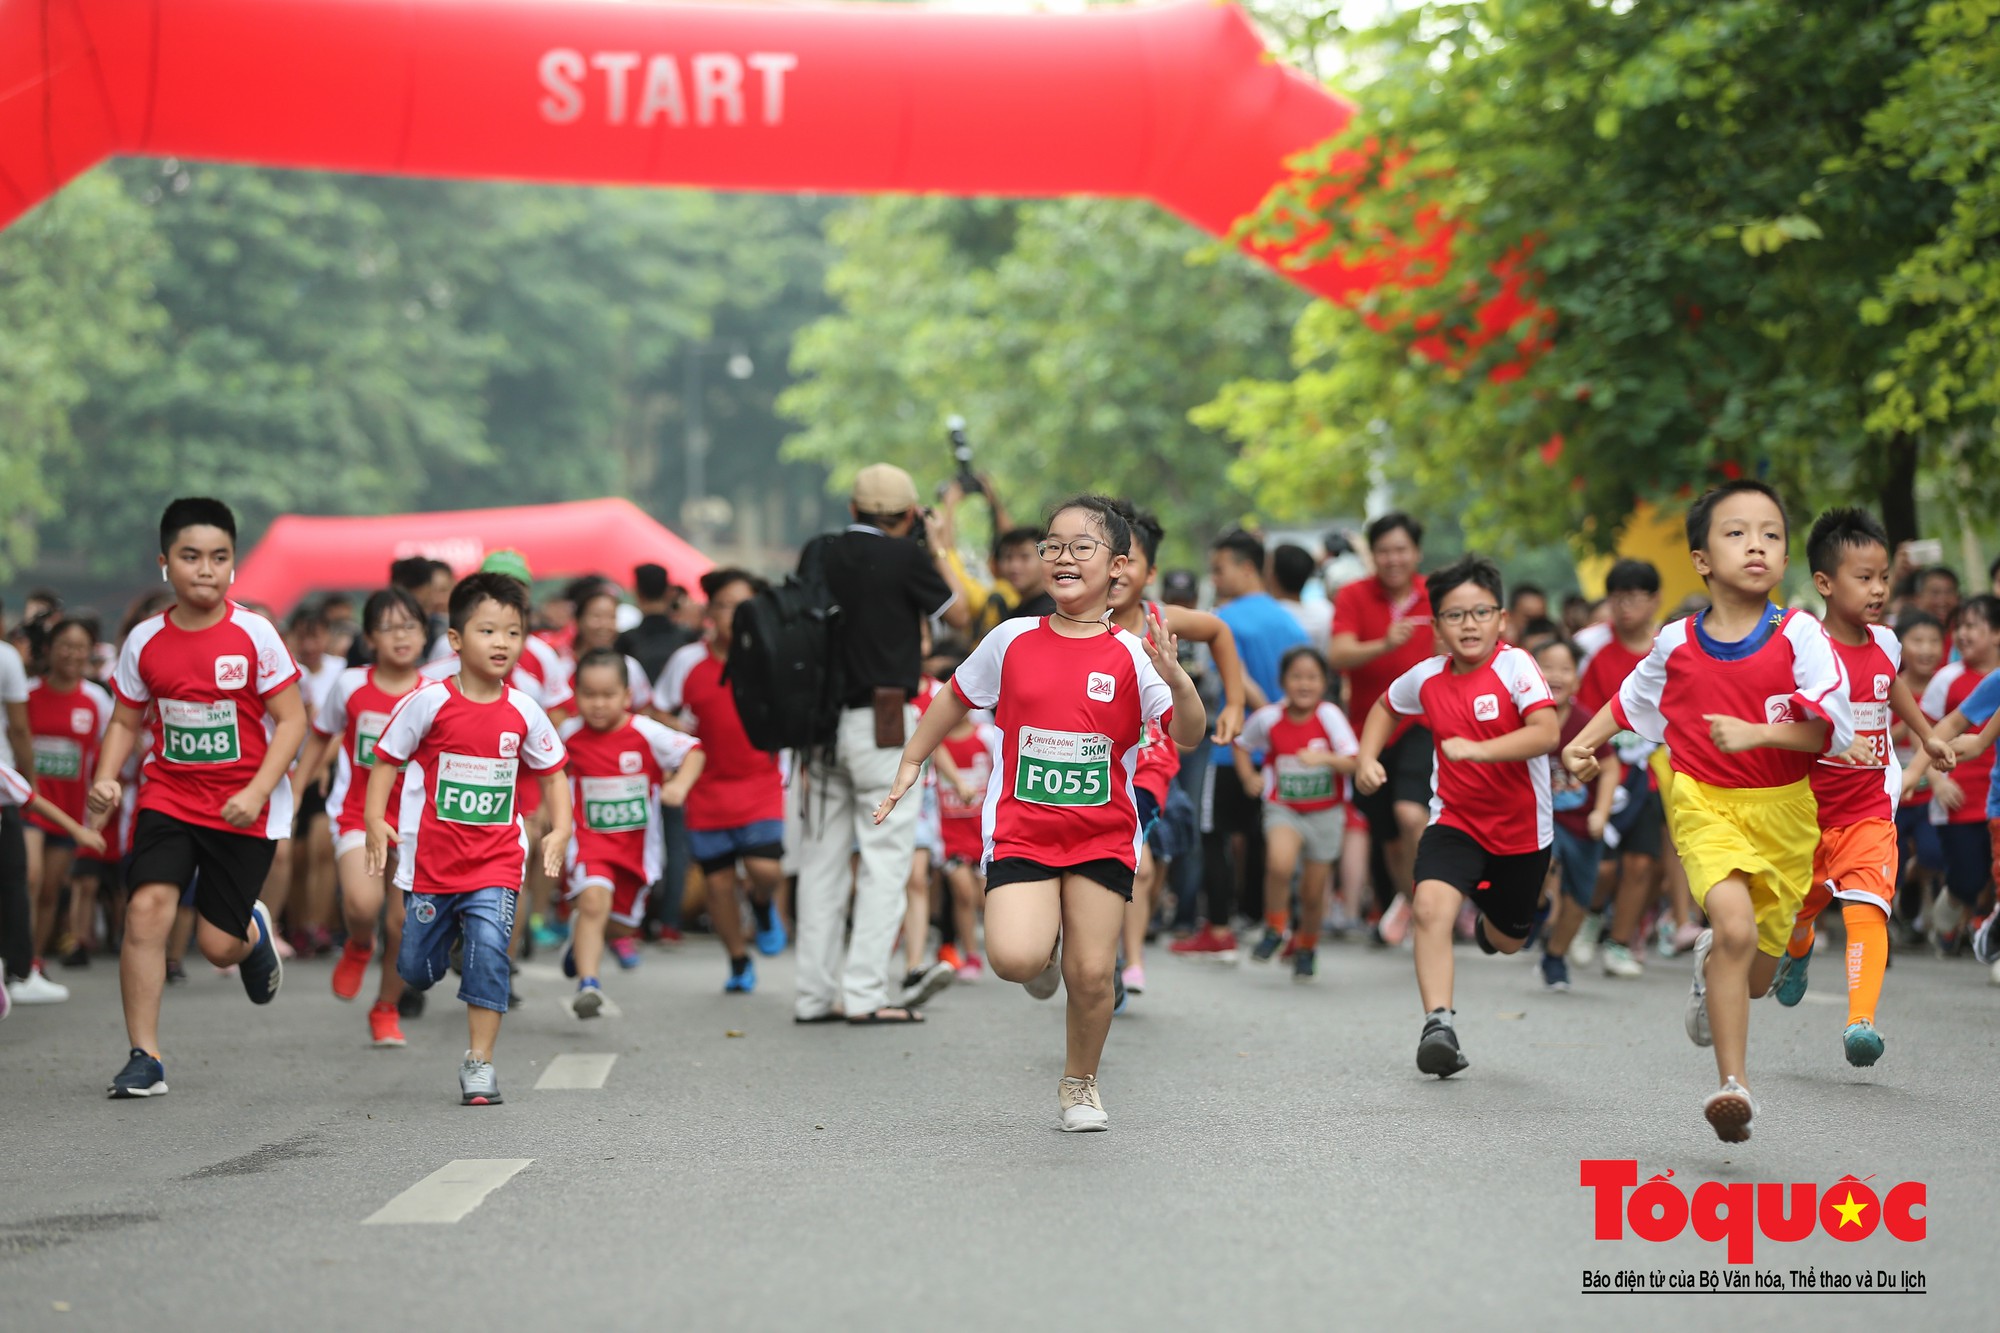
<point>1179,103</point>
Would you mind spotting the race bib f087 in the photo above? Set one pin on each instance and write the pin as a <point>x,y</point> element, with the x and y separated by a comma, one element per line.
<point>615,805</point>
<point>472,789</point>
<point>1062,768</point>
<point>199,733</point>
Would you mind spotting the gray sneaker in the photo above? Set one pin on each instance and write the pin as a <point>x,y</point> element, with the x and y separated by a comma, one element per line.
<point>478,1085</point>
<point>1082,1111</point>
<point>1696,1016</point>
<point>1729,1111</point>
<point>1045,982</point>
<point>921,986</point>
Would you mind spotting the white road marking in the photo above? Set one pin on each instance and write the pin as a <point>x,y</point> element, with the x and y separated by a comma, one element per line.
<point>1813,997</point>
<point>448,1193</point>
<point>575,1071</point>
<point>541,972</point>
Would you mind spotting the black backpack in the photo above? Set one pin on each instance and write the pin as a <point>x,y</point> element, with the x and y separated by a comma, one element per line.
<point>782,670</point>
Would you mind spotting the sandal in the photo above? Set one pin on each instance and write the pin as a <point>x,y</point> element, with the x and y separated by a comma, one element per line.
<point>887,1016</point>
<point>830,1016</point>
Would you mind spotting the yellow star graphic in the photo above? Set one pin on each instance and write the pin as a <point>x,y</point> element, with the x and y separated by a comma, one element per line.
<point>1850,1212</point>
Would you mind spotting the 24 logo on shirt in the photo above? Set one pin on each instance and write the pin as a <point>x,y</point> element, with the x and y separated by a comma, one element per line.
<point>1486,708</point>
<point>510,744</point>
<point>1881,687</point>
<point>82,721</point>
<point>1100,687</point>
<point>1778,710</point>
<point>232,671</point>
<point>630,762</point>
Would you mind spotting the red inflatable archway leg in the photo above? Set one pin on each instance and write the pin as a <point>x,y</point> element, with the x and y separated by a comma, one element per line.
<point>1179,103</point>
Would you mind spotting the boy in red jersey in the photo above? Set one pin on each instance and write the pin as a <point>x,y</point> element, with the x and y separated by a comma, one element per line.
<point>457,746</point>
<point>619,767</point>
<point>736,815</point>
<point>1072,695</point>
<point>1492,811</point>
<point>1856,791</point>
<point>1958,802</point>
<point>350,719</point>
<point>1746,697</point>
<point>213,798</point>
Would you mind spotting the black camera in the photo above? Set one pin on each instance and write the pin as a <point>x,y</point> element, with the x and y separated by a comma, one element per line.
<point>961,452</point>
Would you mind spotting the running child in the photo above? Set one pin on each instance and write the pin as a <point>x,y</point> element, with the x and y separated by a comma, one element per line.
<point>1580,815</point>
<point>1072,695</point>
<point>15,791</point>
<point>1493,722</point>
<point>350,720</point>
<point>1159,760</point>
<point>457,747</point>
<point>1309,753</point>
<point>1856,792</point>
<point>213,797</point>
<point>736,813</point>
<point>1918,851</point>
<point>974,747</point>
<point>922,983</point>
<point>67,715</point>
<point>1980,709</point>
<point>1746,698</point>
<point>622,769</point>
<point>1959,801</point>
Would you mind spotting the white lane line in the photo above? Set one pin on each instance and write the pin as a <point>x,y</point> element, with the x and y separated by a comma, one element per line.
<point>575,1071</point>
<point>1812,997</point>
<point>448,1193</point>
<point>541,972</point>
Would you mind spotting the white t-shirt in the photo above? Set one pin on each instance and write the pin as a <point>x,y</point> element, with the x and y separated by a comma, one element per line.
<point>13,690</point>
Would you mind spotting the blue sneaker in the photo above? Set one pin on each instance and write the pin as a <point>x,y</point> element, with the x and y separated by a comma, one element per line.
<point>142,1076</point>
<point>1863,1043</point>
<point>588,1002</point>
<point>547,934</point>
<point>262,970</point>
<point>741,983</point>
<point>1789,985</point>
<point>569,962</point>
<point>626,951</point>
<point>1555,972</point>
<point>771,939</point>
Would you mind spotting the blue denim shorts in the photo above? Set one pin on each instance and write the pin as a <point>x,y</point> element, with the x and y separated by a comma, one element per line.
<point>719,848</point>
<point>1577,860</point>
<point>433,922</point>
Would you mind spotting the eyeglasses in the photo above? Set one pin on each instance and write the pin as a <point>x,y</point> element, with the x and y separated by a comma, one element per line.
<point>400,627</point>
<point>1478,615</point>
<point>1082,549</point>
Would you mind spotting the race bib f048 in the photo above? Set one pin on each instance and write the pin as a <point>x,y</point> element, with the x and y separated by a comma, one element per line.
<point>199,733</point>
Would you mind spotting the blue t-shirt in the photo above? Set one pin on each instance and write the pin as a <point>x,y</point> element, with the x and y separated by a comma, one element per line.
<point>1264,631</point>
<point>1979,708</point>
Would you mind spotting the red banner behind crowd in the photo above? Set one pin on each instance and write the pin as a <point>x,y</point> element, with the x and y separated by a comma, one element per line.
<point>1178,103</point>
<point>301,555</point>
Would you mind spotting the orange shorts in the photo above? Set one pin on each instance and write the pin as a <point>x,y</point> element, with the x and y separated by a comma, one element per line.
<point>1858,862</point>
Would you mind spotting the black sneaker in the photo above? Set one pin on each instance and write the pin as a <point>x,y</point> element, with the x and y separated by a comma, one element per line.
<point>410,1004</point>
<point>262,970</point>
<point>1437,1049</point>
<point>1267,948</point>
<point>924,983</point>
<point>77,957</point>
<point>1305,965</point>
<point>142,1076</point>
<point>176,974</point>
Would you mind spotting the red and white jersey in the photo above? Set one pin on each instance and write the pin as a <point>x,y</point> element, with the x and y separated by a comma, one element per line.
<point>356,709</point>
<point>1159,757</point>
<point>14,789</point>
<point>1845,792</point>
<point>211,730</point>
<point>614,779</point>
<point>1489,802</point>
<point>459,828</point>
<point>740,784</point>
<point>1591,640</point>
<point>1071,715</point>
<point>1949,688</point>
<point>960,823</point>
<point>538,673</point>
<point>1288,780</point>
<point>66,727</point>
<point>1792,676</point>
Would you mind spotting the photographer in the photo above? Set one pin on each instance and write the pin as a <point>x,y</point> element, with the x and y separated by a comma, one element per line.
<point>887,585</point>
<point>1016,571</point>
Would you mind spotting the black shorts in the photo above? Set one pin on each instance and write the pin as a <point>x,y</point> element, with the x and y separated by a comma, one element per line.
<point>1513,883</point>
<point>1113,875</point>
<point>312,805</point>
<point>226,870</point>
<point>1642,828</point>
<point>1407,762</point>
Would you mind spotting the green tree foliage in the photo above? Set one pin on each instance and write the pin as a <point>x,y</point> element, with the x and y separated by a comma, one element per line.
<point>1682,187</point>
<point>1073,335</point>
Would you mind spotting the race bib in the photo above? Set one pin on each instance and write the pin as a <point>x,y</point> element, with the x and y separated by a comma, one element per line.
<point>368,728</point>
<point>1062,768</point>
<point>1871,725</point>
<point>58,757</point>
<point>615,805</point>
<point>197,733</point>
<point>475,790</point>
<point>1300,781</point>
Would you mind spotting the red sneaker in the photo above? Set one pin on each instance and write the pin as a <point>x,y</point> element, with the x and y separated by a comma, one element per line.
<point>948,953</point>
<point>1209,943</point>
<point>383,1025</point>
<point>352,969</point>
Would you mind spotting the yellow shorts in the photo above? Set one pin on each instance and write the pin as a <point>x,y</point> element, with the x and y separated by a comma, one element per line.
<point>1766,835</point>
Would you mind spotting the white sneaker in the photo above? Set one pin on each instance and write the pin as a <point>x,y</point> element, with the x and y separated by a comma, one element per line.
<point>1696,1015</point>
<point>1044,983</point>
<point>1082,1112</point>
<point>1584,947</point>
<point>1730,1110</point>
<point>36,988</point>
<point>1947,914</point>
<point>1619,962</point>
<point>1993,977</point>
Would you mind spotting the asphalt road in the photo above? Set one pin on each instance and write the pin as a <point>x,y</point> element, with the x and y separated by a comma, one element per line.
<point>1274,1158</point>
